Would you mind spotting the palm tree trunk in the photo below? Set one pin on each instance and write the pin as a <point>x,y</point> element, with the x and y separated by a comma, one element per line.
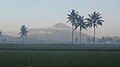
<point>72,34</point>
<point>94,35</point>
<point>80,36</point>
<point>23,40</point>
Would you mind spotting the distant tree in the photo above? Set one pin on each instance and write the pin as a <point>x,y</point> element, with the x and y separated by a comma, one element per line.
<point>88,39</point>
<point>94,20</point>
<point>116,41</point>
<point>72,19</point>
<point>110,39</point>
<point>81,23</point>
<point>23,32</point>
<point>92,39</point>
<point>4,39</point>
<point>76,39</point>
<point>103,40</point>
<point>1,35</point>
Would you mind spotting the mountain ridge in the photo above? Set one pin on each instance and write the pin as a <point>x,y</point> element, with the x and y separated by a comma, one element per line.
<point>58,33</point>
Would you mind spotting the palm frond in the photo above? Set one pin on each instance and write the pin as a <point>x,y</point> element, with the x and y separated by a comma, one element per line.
<point>94,19</point>
<point>23,31</point>
<point>72,17</point>
<point>81,22</point>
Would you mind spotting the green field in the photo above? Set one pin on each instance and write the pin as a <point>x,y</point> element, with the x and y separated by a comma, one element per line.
<point>19,56</point>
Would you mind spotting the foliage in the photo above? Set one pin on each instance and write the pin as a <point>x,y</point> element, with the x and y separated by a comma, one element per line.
<point>59,59</point>
<point>72,17</point>
<point>23,31</point>
<point>94,19</point>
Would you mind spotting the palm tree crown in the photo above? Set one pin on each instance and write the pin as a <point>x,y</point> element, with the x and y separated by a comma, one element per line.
<point>81,22</point>
<point>72,17</point>
<point>23,31</point>
<point>94,19</point>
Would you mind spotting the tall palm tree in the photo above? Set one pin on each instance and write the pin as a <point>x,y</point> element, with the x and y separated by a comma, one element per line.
<point>81,23</point>
<point>94,20</point>
<point>23,32</point>
<point>72,19</point>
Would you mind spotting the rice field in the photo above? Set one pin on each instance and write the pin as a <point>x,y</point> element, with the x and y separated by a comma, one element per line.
<point>59,56</point>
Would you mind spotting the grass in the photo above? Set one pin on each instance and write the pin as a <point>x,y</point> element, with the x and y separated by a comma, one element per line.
<point>57,58</point>
<point>62,47</point>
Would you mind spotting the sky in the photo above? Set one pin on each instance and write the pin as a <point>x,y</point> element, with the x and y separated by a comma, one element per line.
<point>46,13</point>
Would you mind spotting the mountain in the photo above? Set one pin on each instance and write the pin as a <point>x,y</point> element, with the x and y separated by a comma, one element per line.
<point>61,25</point>
<point>59,33</point>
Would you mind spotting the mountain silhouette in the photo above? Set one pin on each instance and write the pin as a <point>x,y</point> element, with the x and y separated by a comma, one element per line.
<point>58,33</point>
<point>61,25</point>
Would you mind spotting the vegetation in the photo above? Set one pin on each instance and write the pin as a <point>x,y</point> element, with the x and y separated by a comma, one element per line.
<point>23,32</point>
<point>61,47</point>
<point>72,19</point>
<point>59,59</point>
<point>1,35</point>
<point>94,20</point>
<point>81,23</point>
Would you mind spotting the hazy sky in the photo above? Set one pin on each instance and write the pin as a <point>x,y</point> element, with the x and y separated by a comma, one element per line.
<point>45,13</point>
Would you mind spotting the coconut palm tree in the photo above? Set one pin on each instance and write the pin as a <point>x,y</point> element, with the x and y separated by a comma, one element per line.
<point>81,23</point>
<point>72,19</point>
<point>23,32</point>
<point>94,20</point>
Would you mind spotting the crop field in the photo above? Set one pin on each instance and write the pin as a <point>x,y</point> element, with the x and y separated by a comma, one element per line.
<point>59,47</point>
<point>38,55</point>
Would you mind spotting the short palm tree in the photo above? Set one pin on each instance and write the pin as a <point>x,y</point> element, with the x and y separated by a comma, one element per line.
<point>81,23</point>
<point>23,32</point>
<point>94,20</point>
<point>1,36</point>
<point>72,19</point>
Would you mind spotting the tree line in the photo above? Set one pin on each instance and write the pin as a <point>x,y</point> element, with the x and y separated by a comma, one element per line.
<point>93,20</point>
